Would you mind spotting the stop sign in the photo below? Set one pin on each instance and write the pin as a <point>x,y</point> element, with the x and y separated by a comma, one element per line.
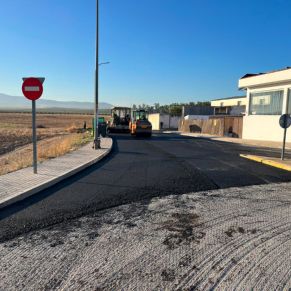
<point>32,88</point>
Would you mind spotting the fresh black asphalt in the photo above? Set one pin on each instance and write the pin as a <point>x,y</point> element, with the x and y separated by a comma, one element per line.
<point>141,168</point>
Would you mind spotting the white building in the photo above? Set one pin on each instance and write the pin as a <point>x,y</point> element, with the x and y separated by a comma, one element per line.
<point>163,121</point>
<point>268,97</point>
<point>229,106</point>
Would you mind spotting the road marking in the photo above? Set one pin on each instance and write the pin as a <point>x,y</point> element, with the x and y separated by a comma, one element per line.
<point>266,161</point>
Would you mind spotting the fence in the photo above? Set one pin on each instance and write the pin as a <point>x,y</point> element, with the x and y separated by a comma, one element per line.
<point>215,125</point>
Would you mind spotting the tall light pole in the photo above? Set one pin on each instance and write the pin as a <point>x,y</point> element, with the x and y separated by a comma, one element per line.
<point>96,144</point>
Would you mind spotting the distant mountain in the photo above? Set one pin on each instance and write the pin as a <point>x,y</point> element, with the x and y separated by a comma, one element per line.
<point>17,103</point>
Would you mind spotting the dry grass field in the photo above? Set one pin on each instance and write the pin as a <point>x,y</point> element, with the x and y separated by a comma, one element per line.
<point>15,128</point>
<point>56,134</point>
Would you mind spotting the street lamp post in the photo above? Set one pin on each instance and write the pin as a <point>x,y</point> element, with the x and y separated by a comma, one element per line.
<point>105,63</point>
<point>96,144</point>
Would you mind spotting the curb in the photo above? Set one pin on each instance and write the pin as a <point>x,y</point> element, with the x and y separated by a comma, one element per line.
<point>54,180</point>
<point>267,162</point>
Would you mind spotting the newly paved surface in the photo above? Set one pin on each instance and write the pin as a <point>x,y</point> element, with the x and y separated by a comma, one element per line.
<point>23,183</point>
<point>139,169</point>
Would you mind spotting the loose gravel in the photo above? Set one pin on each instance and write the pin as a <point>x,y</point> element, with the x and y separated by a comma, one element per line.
<point>228,239</point>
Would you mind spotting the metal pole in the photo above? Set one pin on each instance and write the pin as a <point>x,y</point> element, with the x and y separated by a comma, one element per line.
<point>169,116</point>
<point>96,133</point>
<point>34,138</point>
<point>284,142</point>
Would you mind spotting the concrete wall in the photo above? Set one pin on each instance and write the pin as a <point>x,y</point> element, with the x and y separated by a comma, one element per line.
<point>197,110</point>
<point>154,119</point>
<point>191,117</point>
<point>263,127</point>
<point>169,122</point>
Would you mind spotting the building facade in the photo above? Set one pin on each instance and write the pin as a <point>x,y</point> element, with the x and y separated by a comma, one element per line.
<point>268,97</point>
<point>229,106</point>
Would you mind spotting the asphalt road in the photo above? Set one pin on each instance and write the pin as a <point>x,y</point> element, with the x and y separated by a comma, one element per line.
<point>141,169</point>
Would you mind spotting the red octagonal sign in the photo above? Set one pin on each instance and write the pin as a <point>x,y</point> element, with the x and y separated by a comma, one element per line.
<point>32,88</point>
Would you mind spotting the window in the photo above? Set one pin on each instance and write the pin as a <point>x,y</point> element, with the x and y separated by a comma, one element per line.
<point>266,103</point>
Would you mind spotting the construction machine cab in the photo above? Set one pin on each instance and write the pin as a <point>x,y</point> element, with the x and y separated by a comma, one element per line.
<point>120,118</point>
<point>139,124</point>
<point>139,115</point>
<point>120,115</point>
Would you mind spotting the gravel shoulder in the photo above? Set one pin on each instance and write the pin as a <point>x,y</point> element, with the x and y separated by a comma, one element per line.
<point>227,239</point>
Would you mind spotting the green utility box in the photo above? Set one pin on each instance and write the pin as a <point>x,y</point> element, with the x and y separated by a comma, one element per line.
<point>102,126</point>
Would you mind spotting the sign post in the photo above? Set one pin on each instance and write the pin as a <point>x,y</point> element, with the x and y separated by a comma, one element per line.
<point>34,137</point>
<point>285,122</point>
<point>32,89</point>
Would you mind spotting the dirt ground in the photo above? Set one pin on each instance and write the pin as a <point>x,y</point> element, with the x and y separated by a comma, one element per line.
<point>230,239</point>
<point>15,128</point>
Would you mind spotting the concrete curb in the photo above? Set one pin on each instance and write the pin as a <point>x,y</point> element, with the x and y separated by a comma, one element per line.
<point>267,162</point>
<point>54,180</point>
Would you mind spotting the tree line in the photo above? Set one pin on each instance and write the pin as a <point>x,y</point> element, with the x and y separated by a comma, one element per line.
<point>174,109</point>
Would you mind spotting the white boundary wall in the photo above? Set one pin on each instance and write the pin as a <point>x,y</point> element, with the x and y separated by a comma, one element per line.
<point>192,117</point>
<point>169,122</point>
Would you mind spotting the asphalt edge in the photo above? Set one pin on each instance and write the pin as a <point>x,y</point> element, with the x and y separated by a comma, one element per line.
<point>267,162</point>
<point>54,181</point>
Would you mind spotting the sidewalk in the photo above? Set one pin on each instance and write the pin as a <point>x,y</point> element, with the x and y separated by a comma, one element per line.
<point>23,183</point>
<point>251,142</point>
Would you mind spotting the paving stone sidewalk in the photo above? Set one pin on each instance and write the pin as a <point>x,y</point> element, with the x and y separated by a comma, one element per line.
<point>248,142</point>
<point>23,183</point>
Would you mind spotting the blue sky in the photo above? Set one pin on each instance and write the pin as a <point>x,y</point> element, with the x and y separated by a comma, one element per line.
<point>160,50</point>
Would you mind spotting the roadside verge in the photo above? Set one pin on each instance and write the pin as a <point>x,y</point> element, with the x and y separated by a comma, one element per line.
<point>274,162</point>
<point>21,184</point>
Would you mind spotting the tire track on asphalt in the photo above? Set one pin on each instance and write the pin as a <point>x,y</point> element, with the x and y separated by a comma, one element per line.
<point>272,266</point>
<point>212,255</point>
<point>129,250</point>
<point>242,258</point>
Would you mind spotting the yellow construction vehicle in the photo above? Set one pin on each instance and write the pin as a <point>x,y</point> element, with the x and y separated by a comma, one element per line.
<point>139,124</point>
